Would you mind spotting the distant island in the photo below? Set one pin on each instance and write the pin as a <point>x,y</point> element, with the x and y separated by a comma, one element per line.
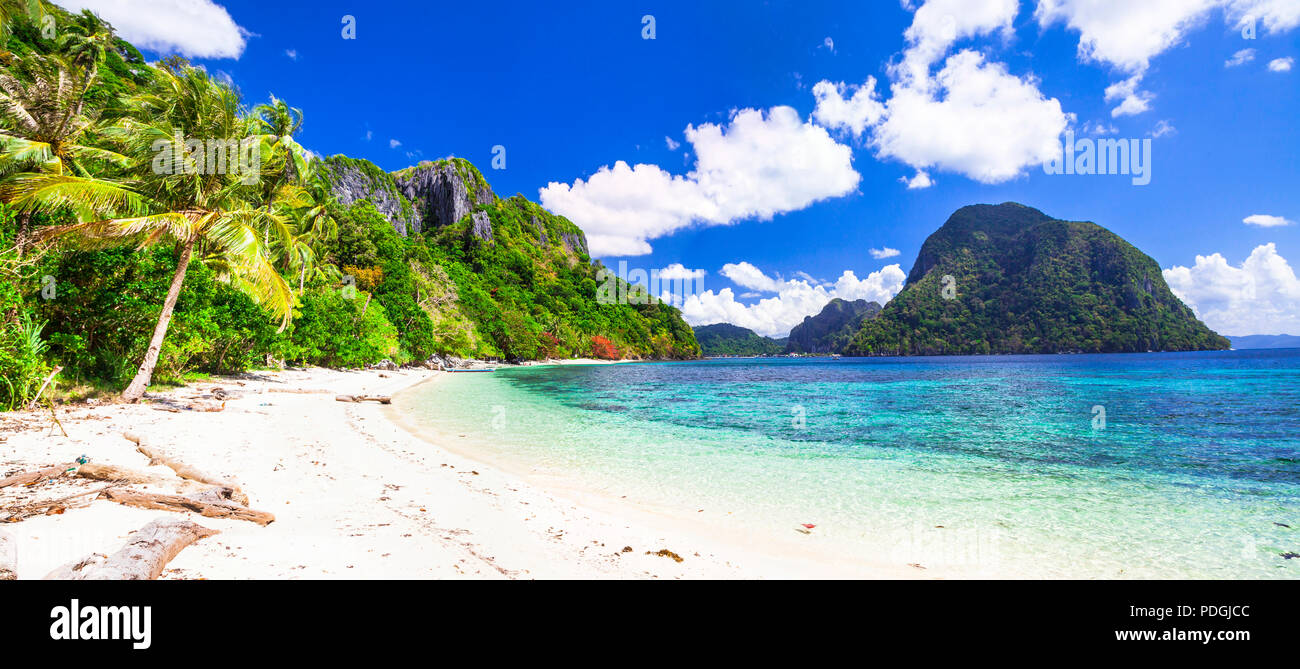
<point>1010,279</point>
<point>1001,279</point>
<point>725,339</point>
<point>1264,341</point>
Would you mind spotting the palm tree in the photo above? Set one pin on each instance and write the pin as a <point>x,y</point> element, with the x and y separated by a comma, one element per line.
<point>43,127</point>
<point>12,9</point>
<point>85,43</point>
<point>287,160</point>
<point>178,195</point>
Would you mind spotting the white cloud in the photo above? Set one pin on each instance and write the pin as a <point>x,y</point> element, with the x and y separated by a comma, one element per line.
<point>1134,101</point>
<point>990,125</point>
<point>370,134</point>
<point>1281,64</point>
<point>972,117</point>
<point>921,181</point>
<point>829,44</point>
<point>881,254</point>
<point>291,53</point>
<point>672,145</point>
<point>758,166</point>
<point>860,111</point>
<point>1276,16</point>
<point>1240,58</point>
<point>393,144</point>
<point>1261,296</point>
<point>192,28</point>
<point>1163,128</point>
<point>1266,221</point>
<point>1098,128</point>
<point>678,271</point>
<point>1125,33</point>
<point>938,24</point>
<point>794,299</point>
<point>1128,34</point>
<point>746,275</point>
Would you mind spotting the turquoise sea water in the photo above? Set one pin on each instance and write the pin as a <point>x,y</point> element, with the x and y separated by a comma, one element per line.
<point>1145,466</point>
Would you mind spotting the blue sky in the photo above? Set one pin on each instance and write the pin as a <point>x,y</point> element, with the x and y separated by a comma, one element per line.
<point>778,204</point>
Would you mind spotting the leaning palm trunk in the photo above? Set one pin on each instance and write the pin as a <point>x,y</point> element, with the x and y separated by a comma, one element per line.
<point>135,391</point>
<point>24,233</point>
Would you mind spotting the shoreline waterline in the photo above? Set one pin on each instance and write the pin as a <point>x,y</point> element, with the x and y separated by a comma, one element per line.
<point>762,556</point>
<point>939,483</point>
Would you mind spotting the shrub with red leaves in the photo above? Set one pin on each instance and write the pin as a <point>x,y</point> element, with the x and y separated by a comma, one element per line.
<point>603,349</point>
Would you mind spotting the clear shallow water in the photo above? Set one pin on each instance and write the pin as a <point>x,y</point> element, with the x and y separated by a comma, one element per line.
<point>1193,474</point>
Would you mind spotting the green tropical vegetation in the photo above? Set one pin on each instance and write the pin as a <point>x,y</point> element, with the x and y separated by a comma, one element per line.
<point>725,339</point>
<point>154,226</point>
<point>1010,279</point>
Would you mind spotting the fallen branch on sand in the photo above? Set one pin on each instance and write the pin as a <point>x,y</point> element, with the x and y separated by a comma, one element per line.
<point>44,507</point>
<point>382,399</point>
<point>209,504</point>
<point>158,457</point>
<point>8,558</point>
<point>25,478</point>
<point>146,553</point>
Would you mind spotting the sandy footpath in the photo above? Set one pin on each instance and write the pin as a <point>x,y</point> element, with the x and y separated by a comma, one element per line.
<point>355,495</point>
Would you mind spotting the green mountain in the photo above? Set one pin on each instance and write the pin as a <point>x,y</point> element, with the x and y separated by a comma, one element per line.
<point>830,330</point>
<point>728,339</point>
<point>1010,279</point>
<point>495,277</point>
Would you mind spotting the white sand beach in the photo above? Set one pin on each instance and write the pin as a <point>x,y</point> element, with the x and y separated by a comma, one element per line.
<point>355,494</point>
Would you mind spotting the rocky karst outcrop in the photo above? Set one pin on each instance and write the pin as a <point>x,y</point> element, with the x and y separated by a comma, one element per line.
<point>830,330</point>
<point>354,180</point>
<point>445,191</point>
<point>431,194</point>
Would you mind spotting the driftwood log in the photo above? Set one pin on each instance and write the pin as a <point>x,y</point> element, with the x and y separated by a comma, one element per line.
<point>146,553</point>
<point>382,399</point>
<point>210,504</point>
<point>8,558</point>
<point>35,476</point>
<point>115,474</point>
<point>159,457</point>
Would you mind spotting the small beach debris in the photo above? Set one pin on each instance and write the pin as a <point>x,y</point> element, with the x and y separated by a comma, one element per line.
<point>8,558</point>
<point>913,564</point>
<point>382,399</point>
<point>1291,556</point>
<point>664,552</point>
<point>1282,525</point>
<point>627,549</point>
<point>804,528</point>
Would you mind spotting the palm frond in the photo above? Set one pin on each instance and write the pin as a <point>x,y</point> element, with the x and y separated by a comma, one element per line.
<point>88,198</point>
